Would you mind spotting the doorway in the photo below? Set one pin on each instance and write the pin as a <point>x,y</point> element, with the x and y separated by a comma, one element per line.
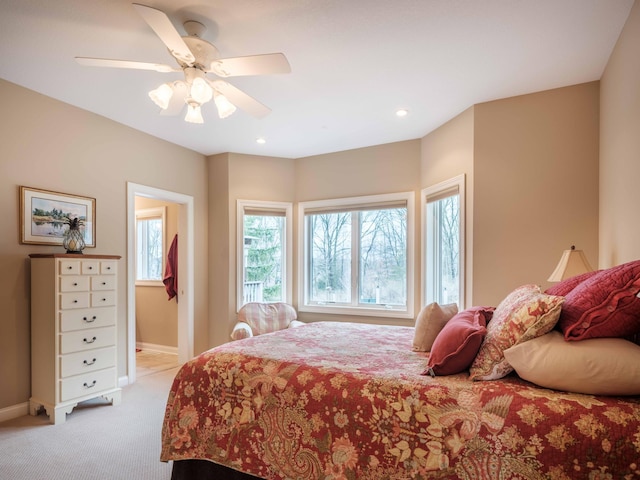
<point>185,271</point>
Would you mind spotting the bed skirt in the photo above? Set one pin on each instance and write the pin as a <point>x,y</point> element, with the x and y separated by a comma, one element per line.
<point>205,470</point>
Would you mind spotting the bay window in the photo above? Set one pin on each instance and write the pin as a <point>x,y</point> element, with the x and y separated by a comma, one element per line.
<point>357,255</point>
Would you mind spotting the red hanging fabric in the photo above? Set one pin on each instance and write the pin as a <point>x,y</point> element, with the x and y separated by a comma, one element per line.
<point>170,279</point>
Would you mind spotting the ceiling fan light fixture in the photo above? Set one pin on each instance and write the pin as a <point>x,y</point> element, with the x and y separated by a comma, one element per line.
<point>161,96</point>
<point>224,106</point>
<point>194,113</point>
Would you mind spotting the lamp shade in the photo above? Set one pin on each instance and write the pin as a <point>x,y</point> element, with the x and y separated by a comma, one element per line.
<point>573,262</point>
<point>224,106</point>
<point>194,114</point>
<point>201,92</point>
<point>162,95</point>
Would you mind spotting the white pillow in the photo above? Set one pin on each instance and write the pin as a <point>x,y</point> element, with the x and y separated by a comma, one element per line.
<point>597,366</point>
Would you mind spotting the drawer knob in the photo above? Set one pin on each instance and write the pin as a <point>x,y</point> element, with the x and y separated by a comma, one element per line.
<point>75,301</point>
<point>90,268</point>
<point>69,267</point>
<point>89,363</point>
<point>75,284</point>
<point>86,385</point>
<point>104,283</point>
<point>89,341</point>
<point>89,320</point>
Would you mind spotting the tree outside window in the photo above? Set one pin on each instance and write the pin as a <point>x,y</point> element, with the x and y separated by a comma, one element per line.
<point>264,251</point>
<point>356,255</point>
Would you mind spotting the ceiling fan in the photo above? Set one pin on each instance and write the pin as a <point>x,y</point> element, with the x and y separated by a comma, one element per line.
<point>197,58</point>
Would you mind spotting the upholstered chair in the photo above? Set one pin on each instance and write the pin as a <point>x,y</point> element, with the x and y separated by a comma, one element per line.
<point>257,318</point>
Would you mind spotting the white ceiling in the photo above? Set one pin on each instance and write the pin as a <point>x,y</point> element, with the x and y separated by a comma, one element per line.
<point>354,62</point>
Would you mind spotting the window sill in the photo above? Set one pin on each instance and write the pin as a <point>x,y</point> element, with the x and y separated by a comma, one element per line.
<point>360,311</point>
<point>149,283</point>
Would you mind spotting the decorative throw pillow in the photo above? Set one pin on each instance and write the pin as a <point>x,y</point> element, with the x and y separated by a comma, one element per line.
<point>605,305</point>
<point>598,366</point>
<point>565,286</point>
<point>457,344</point>
<point>429,322</point>
<point>524,314</point>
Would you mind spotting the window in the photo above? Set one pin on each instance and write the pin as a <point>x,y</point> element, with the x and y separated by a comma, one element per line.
<point>264,252</point>
<point>150,246</point>
<point>443,219</point>
<point>357,256</point>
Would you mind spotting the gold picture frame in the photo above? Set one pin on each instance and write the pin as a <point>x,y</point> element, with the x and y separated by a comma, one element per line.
<point>42,213</point>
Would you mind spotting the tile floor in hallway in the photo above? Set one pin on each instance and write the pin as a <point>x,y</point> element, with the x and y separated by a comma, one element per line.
<point>151,361</point>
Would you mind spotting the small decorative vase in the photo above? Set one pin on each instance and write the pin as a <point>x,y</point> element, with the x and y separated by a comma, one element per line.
<point>73,239</point>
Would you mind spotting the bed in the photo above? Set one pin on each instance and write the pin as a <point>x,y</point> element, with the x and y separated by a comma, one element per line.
<point>339,400</point>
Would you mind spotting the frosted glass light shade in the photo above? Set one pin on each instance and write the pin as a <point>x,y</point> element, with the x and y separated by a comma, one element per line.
<point>573,262</point>
<point>161,96</point>
<point>201,91</point>
<point>224,106</point>
<point>194,114</point>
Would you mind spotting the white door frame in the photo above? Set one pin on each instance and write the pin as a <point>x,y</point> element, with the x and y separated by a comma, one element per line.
<point>185,271</point>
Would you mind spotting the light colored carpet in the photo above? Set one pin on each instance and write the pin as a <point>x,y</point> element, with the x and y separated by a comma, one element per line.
<point>97,441</point>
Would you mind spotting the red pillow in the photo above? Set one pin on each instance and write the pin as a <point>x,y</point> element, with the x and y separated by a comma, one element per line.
<point>605,305</point>
<point>565,286</point>
<point>457,344</point>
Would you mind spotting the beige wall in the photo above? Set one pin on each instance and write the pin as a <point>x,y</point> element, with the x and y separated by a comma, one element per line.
<point>388,168</point>
<point>234,177</point>
<point>51,145</point>
<point>448,152</point>
<point>372,170</point>
<point>220,267</point>
<point>156,316</point>
<point>620,148</point>
<point>535,187</point>
<point>531,167</point>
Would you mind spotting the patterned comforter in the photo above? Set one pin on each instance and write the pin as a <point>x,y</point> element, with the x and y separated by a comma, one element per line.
<point>335,400</point>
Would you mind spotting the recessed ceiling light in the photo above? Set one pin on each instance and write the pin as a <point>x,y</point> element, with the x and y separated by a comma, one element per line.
<point>403,112</point>
<point>261,140</point>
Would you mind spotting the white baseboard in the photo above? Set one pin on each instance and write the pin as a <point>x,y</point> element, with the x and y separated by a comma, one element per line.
<point>157,348</point>
<point>123,381</point>
<point>15,411</point>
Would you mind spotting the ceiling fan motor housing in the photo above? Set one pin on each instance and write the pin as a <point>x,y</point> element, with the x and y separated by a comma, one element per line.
<point>204,52</point>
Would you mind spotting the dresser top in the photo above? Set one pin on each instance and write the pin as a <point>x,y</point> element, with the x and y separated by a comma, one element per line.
<point>73,255</point>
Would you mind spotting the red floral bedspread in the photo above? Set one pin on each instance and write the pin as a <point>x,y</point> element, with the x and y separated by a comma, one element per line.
<point>347,401</point>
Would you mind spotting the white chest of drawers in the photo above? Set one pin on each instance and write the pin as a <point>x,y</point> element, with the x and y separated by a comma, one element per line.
<point>73,332</point>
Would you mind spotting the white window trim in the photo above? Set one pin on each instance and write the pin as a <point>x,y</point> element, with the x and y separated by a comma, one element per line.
<point>285,207</point>
<point>459,182</point>
<point>374,311</point>
<point>154,212</point>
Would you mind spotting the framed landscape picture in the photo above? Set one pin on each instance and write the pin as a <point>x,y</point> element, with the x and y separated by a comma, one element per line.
<point>45,216</point>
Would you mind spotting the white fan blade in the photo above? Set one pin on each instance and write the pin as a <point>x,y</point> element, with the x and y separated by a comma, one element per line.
<point>241,99</point>
<point>251,65</point>
<point>107,62</point>
<point>176,104</point>
<point>163,27</point>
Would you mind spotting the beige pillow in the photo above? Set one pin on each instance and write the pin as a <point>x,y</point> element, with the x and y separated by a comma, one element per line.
<point>431,319</point>
<point>598,366</point>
